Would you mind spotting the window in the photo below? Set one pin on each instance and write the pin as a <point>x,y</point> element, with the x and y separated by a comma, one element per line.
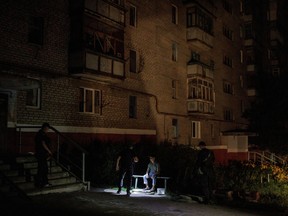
<point>241,56</point>
<point>174,14</point>
<point>174,52</point>
<point>90,101</point>
<point>175,130</point>
<point>227,6</point>
<point>212,131</point>
<point>174,89</point>
<point>33,98</point>
<point>228,115</point>
<point>132,107</point>
<point>133,16</point>
<point>227,87</point>
<point>275,72</point>
<point>227,61</point>
<point>249,34</point>
<point>133,61</point>
<point>200,89</point>
<point>241,81</point>
<point>196,130</point>
<point>227,32</point>
<point>196,17</point>
<point>241,32</point>
<point>36,30</point>
<point>104,42</point>
<point>195,57</point>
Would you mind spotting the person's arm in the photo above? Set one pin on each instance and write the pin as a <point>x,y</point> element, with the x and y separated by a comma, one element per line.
<point>158,169</point>
<point>46,147</point>
<point>147,171</point>
<point>117,163</point>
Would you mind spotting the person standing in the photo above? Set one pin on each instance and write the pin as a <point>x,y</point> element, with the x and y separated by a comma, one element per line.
<point>42,153</point>
<point>153,169</point>
<point>125,166</point>
<point>204,169</point>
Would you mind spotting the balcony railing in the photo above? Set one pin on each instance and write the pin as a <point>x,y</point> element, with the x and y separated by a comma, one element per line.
<point>199,38</point>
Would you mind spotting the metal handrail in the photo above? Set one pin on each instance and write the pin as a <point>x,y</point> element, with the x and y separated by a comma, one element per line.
<point>74,165</point>
<point>266,157</point>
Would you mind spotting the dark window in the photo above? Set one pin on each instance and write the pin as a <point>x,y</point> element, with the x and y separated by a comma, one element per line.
<point>133,61</point>
<point>175,128</point>
<point>132,107</point>
<point>33,98</point>
<point>174,14</point>
<point>36,28</point>
<point>198,18</point>
<point>132,16</point>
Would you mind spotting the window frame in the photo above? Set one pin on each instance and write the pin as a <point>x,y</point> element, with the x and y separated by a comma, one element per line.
<point>195,129</point>
<point>174,89</point>
<point>133,61</point>
<point>174,52</point>
<point>175,128</point>
<point>36,30</point>
<point>133,15</point>
<point>95,103</point>
<point>35,97</point>
<point>174,14</point>
<point>132,107</point>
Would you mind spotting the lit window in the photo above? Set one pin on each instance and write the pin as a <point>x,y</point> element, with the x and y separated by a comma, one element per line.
<point>90,101</point>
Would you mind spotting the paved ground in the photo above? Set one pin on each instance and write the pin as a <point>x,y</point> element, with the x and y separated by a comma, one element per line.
<point>107,202</point>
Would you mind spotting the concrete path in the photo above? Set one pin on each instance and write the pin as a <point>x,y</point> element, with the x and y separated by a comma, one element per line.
<point>108,202</point>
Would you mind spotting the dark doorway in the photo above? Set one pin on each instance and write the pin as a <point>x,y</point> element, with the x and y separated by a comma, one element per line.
<point>3,122</point>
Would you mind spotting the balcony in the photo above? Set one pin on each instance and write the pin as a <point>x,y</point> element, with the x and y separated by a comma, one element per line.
<point>251,92</point>
<point>249,42</point>
<point>251,68</point>
<point>200,106</point>
<point>199,38</point>
<point>96,66</point>
<point>200,69</point>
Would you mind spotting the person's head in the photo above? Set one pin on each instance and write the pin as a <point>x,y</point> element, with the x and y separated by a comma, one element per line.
<point>45,126</point>
<point>202,144</point>
<point>152,158</point>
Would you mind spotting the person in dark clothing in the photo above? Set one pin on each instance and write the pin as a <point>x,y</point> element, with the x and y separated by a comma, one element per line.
<point>42,153</point>
<point>125,166</point>
<point>204,170</point>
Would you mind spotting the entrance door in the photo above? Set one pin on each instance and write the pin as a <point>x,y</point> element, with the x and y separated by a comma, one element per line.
<point>3,122</point>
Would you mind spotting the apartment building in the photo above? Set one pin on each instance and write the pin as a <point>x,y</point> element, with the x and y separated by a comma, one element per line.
<point>127,71</point>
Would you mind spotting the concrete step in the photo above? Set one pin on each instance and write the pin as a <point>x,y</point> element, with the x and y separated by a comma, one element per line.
<point>5,167</point>
<point>26,158</point>
<point>18,179</point>
<point>78,186</point>
<point>11,173</point>
<point>54,169</point>
<point>57,181</point>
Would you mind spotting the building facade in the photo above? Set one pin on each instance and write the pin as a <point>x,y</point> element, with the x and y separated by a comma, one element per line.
<point>127,71</point>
